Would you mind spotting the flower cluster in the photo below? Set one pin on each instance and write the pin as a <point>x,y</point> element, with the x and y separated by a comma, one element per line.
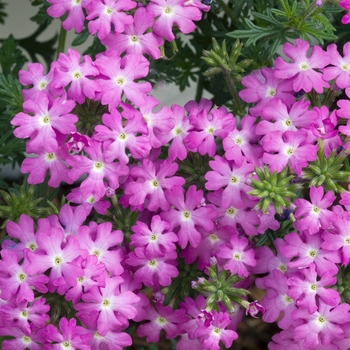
<point>69,281</point>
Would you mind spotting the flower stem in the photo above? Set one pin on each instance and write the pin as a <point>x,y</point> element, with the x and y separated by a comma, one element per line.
<point>61,41</point>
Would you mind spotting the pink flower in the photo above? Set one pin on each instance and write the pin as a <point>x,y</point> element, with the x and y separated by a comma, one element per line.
<point>345,4</point>
<point>15,281</point>
<point>170,12</point>
<point>154,271</point>
<point>341,66</point>
<point>239,144</point>
<point>155,241</point>
<point>105,13</point>
<point>237,256</point>
<point>287,148</point>
<point>232,177</point>
<point>305,285</point>
<point>118,75</point>
<point>211,335</point>
<point>69,336</point>
<point>150,182</point>
<point>75,18</point>
<point>136,39</point>
<point>98,168</point>
<point>206,127</point>
<point>119,135</point>
<point>186,215</point>
<point>114,307</point>
<point>48,115</point>
<point>254,308</point>
<point>69,70</point>
<point>313,216</point>
<point>22,340</point>
<point>323,324</point>
<point>161,317</point>
<point>263,87</point>
<point>303,68</point>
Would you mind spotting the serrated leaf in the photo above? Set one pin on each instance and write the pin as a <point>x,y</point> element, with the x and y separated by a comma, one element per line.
<point>42,17</point>
<point>3,14</point>
<point>11,57</point>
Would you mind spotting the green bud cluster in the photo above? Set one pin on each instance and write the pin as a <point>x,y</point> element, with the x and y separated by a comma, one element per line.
<point>343,284</point>
<point>219,288</point>
<point>273,188</point>
<point>326,171</point>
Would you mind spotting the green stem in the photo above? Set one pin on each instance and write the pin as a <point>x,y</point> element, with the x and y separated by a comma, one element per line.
<point>309,11</point>
<point>231,86</point>
<point>61,41</point>
<point>199,90</point>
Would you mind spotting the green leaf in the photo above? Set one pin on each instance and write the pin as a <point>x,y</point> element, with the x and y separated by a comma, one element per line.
<point>81,37</point>
<point>41,17</point>
<point>11,57</point>
<point>3,14</point>
<point>11,99</point>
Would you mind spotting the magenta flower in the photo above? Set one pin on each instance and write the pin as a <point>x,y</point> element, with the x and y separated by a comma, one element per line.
<point>314,216</point>
<point>101,244</point>
<point>338,239</point>
<point>21,340</point>
<point>307,249</point>
<point>238,144</point>
<point>114,307</point>
<point>186,215</point>
<point>170,12</point>
<point>278,117</point>
<point>254,308</point>
<point>150,183</point>
<point>105,13</point>
<point>118,75</point>
<point>303,68</point>
<point>48,115</point>
<point>161,317</point>
<point>70,336</point>
<point>306,285</point>
<point>345,4</point>
<point>206,127</point>
<point>98,168</point>
<point>35,76</point>
<point>341,66</point>
<point>323,324</point>
<point>70,71</point>
<point>263,87</point>
<point>237,256</point>
<point>155,271</point>
<point>156,240</point>
<point>15,281</point>
<point>75,18</point>
<point>231,176</point>
<point>136,39</point>
<point>56,258</point>
<point>211,335</point>
<point>288,148</point>
<point>119,135</point>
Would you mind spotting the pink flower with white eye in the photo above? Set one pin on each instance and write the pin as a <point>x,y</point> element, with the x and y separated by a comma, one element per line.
<point>314,216</point>
<point>303,68</point>
<point>262,87</point>
<point>156,240</point>
<point>306,287</point>
<point>117,77</point>
<point>185,215</point>
<point>161,317</point>
<point>150,183</point>
<point>231,177</point>
<point>288,148</point>
<point>105,13</point>
<point>135,39</point>
<point>340,69</point>
<point>48,115</point>
<point>98,169</point>
<point>75,18</point>
<point>70,71</point>
<point>170,12</point>
<point>119,134</point>
<point>113,306</point>
<point>236,255</point>
<point>205,127</point>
